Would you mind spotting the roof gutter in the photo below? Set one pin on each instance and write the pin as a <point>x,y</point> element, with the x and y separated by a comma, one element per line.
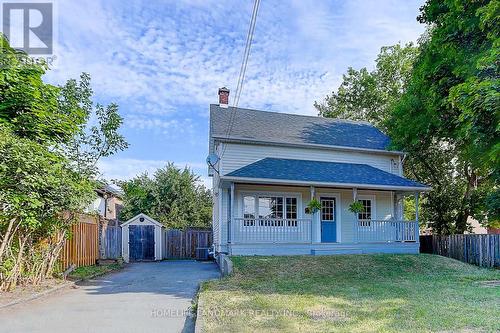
<point>319,184</point>
<point>304,145</point>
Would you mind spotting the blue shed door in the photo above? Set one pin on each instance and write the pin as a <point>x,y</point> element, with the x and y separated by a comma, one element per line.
<point>328,221</point>
<point>141,241</point>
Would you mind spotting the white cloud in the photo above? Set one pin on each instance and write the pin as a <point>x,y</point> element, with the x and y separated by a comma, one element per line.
<point>183,52</point>
<point>162,62</point>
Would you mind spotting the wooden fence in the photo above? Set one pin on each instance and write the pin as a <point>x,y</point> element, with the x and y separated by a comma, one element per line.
<point>82,247</point>
<point>111,242</point>
<point>184,244</point>
<point>93,239</point>
<point>481,250</point>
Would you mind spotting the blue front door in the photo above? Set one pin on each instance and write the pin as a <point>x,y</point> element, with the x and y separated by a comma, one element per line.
<point>328,221</point>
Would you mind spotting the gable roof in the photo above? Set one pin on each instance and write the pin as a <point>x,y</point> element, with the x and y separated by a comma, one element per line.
<point>146,217</point>
<point>326,173</point>
<point>284,128</point>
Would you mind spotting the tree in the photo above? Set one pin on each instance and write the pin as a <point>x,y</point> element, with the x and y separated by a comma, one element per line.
<point>37,187</point>
<point>172,196</point>
<point>31,108</point>
<point>48,157</point>
<point>368,96</point>
<point>447,120</point>
<point>90,142</point>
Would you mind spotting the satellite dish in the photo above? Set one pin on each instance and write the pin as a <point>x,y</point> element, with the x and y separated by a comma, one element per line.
<point>212,160</point>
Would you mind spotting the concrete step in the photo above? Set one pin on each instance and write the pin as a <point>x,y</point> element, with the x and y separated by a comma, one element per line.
<point>333,251</point>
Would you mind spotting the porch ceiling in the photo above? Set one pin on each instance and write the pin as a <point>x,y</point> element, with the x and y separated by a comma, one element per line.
<point>318,173</point>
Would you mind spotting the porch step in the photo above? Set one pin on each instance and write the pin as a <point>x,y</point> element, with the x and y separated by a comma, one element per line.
<point>344,250</point>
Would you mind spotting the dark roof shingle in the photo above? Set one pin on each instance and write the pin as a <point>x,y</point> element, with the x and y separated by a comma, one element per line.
<point>275,127</point>
<point>322,172</point>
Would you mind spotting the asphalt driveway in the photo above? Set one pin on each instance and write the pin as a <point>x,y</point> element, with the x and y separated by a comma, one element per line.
<point>143,297</point>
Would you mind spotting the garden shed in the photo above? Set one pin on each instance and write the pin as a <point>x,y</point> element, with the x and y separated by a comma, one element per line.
<point>142,239</point>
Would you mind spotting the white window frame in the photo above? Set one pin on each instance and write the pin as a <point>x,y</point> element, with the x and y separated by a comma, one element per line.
<point>257,194</point>
<point>370,197</point>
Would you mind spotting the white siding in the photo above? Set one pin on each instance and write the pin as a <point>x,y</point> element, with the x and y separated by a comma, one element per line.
<point>98,205</point>
<point>224,217</point>
<point>239,155</point>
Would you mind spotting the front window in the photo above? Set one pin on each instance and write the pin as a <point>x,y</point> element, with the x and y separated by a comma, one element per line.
<point>249,210</point>
<point>291,211</point>
<point>271,207</point>
<point>366,214</point>
<point>270,210</point>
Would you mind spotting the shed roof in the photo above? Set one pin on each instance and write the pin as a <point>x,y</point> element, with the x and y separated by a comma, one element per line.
<point>328,173</point>
<point>146,217</point>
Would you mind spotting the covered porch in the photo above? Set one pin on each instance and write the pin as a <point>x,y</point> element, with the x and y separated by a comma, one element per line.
<point>269,216</point>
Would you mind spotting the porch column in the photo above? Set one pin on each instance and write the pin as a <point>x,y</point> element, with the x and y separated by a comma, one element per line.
<point>315,224</point>
<point>231,214</point>
<point>356,223</point>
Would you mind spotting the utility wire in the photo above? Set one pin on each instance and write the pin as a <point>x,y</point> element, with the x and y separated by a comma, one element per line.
<point>243,69</point>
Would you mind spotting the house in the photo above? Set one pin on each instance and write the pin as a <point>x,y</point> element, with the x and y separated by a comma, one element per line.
<point>268,166</point>
<point>108,204</point>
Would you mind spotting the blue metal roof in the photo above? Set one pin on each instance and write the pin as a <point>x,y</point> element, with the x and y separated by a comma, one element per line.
<point>322,172</point>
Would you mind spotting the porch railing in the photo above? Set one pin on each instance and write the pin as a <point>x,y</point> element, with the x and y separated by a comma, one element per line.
<point>263,230</point>
<point>372,231</point>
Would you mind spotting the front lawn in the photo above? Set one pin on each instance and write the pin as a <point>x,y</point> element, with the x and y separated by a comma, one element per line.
<point>352,293</point>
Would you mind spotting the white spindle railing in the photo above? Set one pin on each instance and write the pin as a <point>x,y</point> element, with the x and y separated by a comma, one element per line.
<point>372,231</point>
<point>262,230</point>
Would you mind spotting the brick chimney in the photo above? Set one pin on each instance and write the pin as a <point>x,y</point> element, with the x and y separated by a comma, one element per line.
<point>223,97</point>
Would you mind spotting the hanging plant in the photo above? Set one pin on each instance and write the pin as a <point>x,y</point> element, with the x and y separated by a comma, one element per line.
<point>356,207</point>
<point>313,206</point>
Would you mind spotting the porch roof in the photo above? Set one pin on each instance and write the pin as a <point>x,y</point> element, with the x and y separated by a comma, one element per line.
<point>318,173</point>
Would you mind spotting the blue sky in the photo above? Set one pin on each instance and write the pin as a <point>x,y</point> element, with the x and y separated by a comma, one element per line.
<point>163,62</point>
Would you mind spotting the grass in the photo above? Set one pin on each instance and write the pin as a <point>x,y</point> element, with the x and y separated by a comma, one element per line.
<point>88,272</point>
<point>352,293</point>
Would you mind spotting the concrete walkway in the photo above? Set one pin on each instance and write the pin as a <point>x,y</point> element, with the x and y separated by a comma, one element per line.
<point>143,297</point>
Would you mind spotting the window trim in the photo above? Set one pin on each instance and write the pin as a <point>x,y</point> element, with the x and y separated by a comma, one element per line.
<point>372,198</point>
<point>257,194</point>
